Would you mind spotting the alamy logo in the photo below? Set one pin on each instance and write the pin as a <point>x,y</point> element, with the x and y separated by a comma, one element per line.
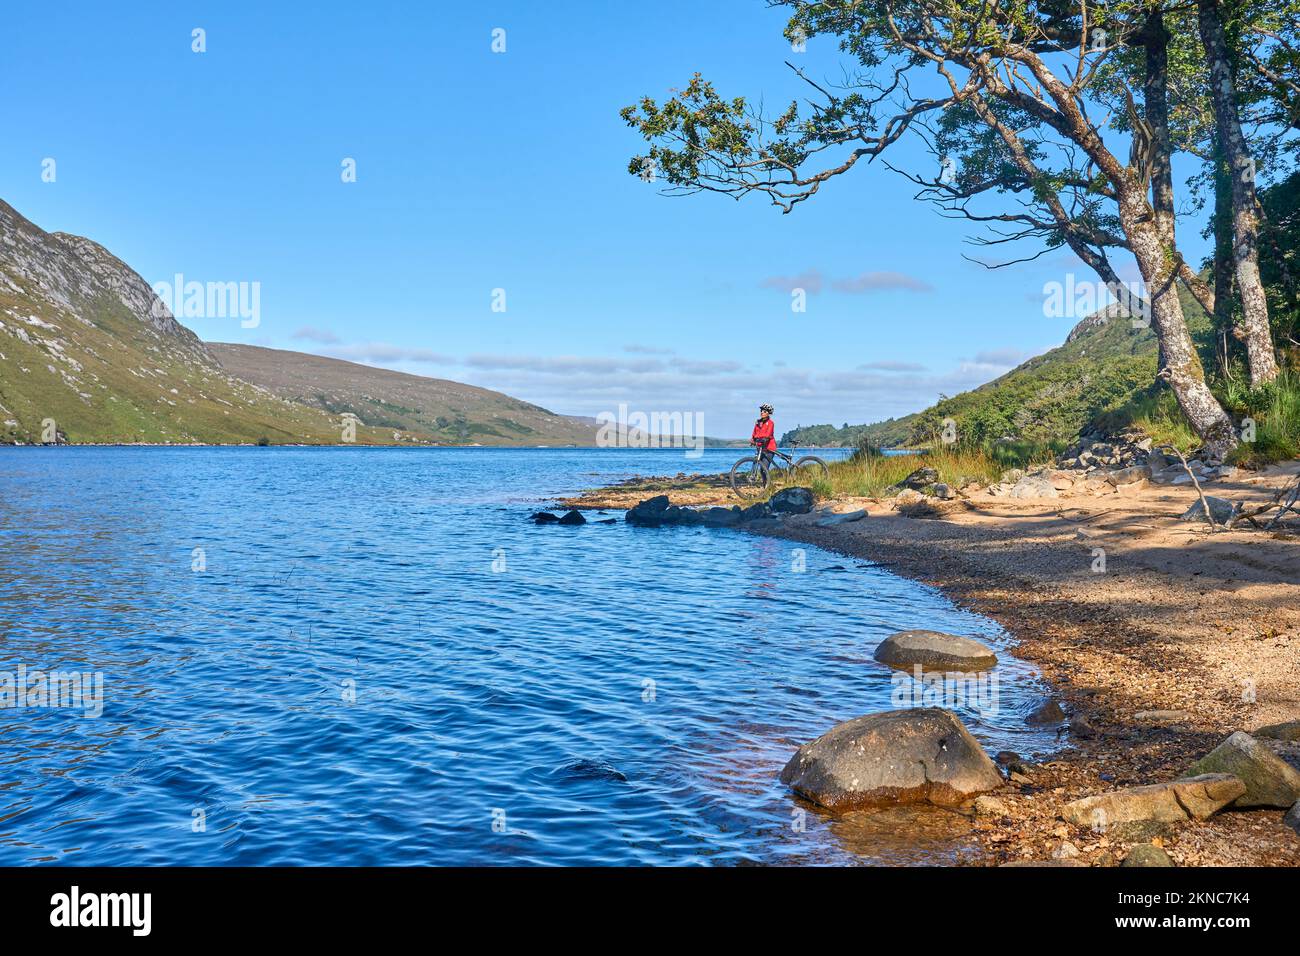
<point>651,430</point>
<point>211,300</point>
<point>75,908</point>
<point>71,690</point>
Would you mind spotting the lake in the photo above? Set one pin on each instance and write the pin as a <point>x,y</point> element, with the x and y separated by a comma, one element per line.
<point>370,656</point>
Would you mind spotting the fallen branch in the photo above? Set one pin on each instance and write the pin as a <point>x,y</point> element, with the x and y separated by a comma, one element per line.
<point>1209,515</point>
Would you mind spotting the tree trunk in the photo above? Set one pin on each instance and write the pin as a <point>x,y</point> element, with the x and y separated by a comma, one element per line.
<point>1179,365</point>
<point>1255,329</point>
<point>1223,267</point>
<point>1156,100</point>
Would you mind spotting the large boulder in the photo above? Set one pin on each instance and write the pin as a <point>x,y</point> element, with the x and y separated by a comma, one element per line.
<point>934,651</point>
<point>573,517</point>
<point>900,756</point>
<point>795,501</point>
<point>1195,798</point>
<point>1269,780</point>
<point>649,512</point>
<point>756,511</point>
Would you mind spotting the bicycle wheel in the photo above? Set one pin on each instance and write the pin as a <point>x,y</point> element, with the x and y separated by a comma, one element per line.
<point>808,469</point>
<point>747,478</point>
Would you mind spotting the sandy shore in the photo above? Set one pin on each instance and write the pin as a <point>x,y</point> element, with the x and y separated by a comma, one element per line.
<point>1180,620</point>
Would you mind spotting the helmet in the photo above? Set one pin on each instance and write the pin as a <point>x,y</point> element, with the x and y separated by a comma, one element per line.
<point>765,408</point>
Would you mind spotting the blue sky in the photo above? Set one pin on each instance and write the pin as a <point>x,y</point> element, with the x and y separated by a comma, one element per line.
<point>478,171</point>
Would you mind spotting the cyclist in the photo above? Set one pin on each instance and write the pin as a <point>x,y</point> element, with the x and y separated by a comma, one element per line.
<point>764,436</point>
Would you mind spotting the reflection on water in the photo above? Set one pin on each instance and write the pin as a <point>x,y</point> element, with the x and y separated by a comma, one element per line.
<point>369,656</point>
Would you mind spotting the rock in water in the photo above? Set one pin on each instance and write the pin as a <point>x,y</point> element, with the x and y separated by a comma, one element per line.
<point>935,651</point>
<point>795,501</point>
<point>1048,712</point>
<point>573,517</point>
<point>716,517</point>
<point>544,517</point>
<point>1269,780</point>
<point>1221,508</point>
<point>1147,854</point>
<point>649,512</point>
<point>900,756</point>
<point>1194,798</point>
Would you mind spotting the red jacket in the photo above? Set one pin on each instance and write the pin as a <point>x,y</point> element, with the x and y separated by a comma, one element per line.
<point>765,429</point>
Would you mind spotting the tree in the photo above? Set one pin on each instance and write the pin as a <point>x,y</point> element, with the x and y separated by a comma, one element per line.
<point>1240,165</point>
<point>1026,73</point>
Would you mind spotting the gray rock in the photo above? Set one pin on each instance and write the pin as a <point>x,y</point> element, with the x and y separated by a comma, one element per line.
<point>756,511</point>
<point>795,501</point>
<point>1033,486</point>
<point>1194,798</point>
<point>943,492</point>
<point>1147,854</point>
<point>831,520</point>
<point>1221,508</point>
<point>1048,712</point>
<point>900,756</point>
<point>935,651</point>
<point>1269,780</point>
<point>1126,476</point>
<point>573,517</point>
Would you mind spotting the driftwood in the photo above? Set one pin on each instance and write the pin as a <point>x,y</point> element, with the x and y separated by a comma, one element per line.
<point>1209,515</point>
<point>1286,499</point>
<point>1290,493</point>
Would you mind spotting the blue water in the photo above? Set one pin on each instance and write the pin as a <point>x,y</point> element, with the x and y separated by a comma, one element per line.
<point>376,659</point>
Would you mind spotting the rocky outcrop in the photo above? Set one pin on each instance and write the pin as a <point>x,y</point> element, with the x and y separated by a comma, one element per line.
<point>900,756</point>
<point>1268,779</point>
<point>659,511</point>
<point>935,651</point>
<point>1194,798</point>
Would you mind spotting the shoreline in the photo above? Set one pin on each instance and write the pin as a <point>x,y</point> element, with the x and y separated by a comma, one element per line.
<point>1183,638</point>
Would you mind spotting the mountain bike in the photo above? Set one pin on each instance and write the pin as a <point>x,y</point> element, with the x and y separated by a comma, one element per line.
<point>751,477</point>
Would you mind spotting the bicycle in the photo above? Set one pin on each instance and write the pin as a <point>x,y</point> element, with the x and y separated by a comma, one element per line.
<point>750,477</point>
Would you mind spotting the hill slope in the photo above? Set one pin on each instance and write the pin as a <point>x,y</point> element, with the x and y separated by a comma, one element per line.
<point>1103,364</point>
<point>88,353</point>
<point>430,408</point>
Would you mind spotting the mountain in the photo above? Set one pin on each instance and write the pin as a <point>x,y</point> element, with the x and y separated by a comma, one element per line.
<point>88,353</point>
<point>430,409</point>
